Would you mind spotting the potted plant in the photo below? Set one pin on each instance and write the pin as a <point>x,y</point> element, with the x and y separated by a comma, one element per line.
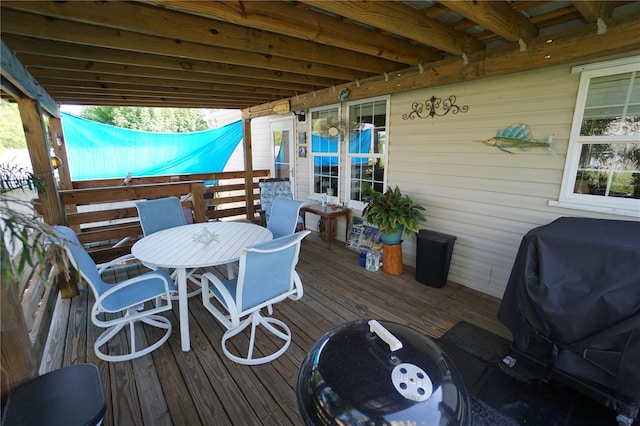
<point>393,213</point>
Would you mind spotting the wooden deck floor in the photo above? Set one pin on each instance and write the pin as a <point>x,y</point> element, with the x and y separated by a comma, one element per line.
<point>171,387</point>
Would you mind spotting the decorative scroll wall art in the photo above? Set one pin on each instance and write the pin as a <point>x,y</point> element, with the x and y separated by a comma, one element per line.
<point>434,107</point>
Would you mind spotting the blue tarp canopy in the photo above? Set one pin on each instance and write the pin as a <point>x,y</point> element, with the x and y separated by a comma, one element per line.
<point>100,151</point>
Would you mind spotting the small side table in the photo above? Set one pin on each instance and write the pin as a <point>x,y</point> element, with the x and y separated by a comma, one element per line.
<point>329,213</point>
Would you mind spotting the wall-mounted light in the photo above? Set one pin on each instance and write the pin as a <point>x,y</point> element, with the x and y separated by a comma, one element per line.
<point>55,162</point>
<point>300,115</point>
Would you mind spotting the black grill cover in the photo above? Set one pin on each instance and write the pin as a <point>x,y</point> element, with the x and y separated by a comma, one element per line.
<point>573,300</point>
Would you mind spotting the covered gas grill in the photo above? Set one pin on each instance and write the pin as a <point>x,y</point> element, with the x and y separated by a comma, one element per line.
<point>572,304</point>
<point>367,372</point>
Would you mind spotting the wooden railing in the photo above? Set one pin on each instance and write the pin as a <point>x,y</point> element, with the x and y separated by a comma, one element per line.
<point>102,213</point>
<point>104,217</point>
<point>27,306</point>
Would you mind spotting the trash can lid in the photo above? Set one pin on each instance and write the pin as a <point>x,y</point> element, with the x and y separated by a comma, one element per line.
<point>436,236</point>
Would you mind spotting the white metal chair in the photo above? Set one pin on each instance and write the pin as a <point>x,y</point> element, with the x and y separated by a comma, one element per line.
<point>138,299</point>
<point>267,276</point>
<point>284,216</point>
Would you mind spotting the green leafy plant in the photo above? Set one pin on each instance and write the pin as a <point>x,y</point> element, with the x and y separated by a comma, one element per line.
<point>392,209</point>
<point>25,239</point>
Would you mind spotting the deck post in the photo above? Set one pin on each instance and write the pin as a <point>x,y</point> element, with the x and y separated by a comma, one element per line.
<point>248,168</point>
<point>38,146</point>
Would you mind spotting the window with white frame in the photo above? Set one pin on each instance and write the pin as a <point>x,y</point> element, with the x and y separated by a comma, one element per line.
<point>602,170</point>
<point>367,147</point>
<point>326,133</point>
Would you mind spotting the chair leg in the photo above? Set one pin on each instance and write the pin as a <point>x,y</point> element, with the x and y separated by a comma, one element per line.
<point>192,278</point>
<point>157,321</point>
<point>229,271</point>
<point>272,325</point>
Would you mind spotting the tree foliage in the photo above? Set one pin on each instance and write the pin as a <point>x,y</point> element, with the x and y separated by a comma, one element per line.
<point>160,120</point>
<point>11,132</point>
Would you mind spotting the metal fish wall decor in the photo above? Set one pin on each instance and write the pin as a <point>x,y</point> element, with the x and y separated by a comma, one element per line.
<point>518,136</point>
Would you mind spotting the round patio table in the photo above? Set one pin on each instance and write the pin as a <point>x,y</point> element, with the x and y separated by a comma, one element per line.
<point>195,246</point>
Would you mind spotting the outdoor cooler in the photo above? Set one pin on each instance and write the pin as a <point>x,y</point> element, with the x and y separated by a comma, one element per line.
<point>380,373</point>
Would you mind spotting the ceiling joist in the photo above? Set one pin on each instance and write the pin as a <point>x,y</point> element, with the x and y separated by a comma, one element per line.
<point>253,54</point>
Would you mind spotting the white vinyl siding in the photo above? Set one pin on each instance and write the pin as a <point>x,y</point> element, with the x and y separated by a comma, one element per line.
<point>485,197</point>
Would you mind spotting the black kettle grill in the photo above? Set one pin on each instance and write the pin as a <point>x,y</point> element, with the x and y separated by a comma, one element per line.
<point>367,372</point>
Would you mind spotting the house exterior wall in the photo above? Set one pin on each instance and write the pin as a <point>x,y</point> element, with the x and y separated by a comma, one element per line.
<point>262,157</point>
<point>260,148</point>
<point>487,198</point>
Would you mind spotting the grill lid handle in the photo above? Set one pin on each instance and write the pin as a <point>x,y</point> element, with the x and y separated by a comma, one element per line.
<point>384,334</point>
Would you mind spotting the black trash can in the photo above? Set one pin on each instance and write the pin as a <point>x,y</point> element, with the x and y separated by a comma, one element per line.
<point>433,257</point>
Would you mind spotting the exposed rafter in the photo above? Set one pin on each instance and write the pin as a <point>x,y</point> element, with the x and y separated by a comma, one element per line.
<point>398,18</point>
<point>245,53</point>
<point>496,17</point>
<point>592,10</point>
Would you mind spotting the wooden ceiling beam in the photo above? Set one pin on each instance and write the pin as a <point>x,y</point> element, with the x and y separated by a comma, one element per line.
<point>18,77</point>
<point>556,17</point>
<point>28,24</point>
<point>61,92</point>
<point>148,102</point>
<point>140,18</point>
<point>523,5</point>
<point>56,91</point>
<point>567,47</point>
<point>496,17</point>
<point>145,94</point>
<point>403,20</point>
<point>592,10</point>
<point>8,91</point>
<point>77,84</point>
<point>286,18</point>
<point>95,79</point>
<point>77,65</point>
<point>436,10</point>
<point>20,44</point>
<point>553,15</point>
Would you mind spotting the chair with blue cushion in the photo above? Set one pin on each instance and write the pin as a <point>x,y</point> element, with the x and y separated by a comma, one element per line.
<point>137,300</point>
<point>164,213</point>
<point>160,213</point>
<point>267,276</point>
<point>284,216</point>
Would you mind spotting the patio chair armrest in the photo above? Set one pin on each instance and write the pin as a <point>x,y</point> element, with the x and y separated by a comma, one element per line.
<point>228,300</point>
<point>131,281</point>
<point>116,261</point>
